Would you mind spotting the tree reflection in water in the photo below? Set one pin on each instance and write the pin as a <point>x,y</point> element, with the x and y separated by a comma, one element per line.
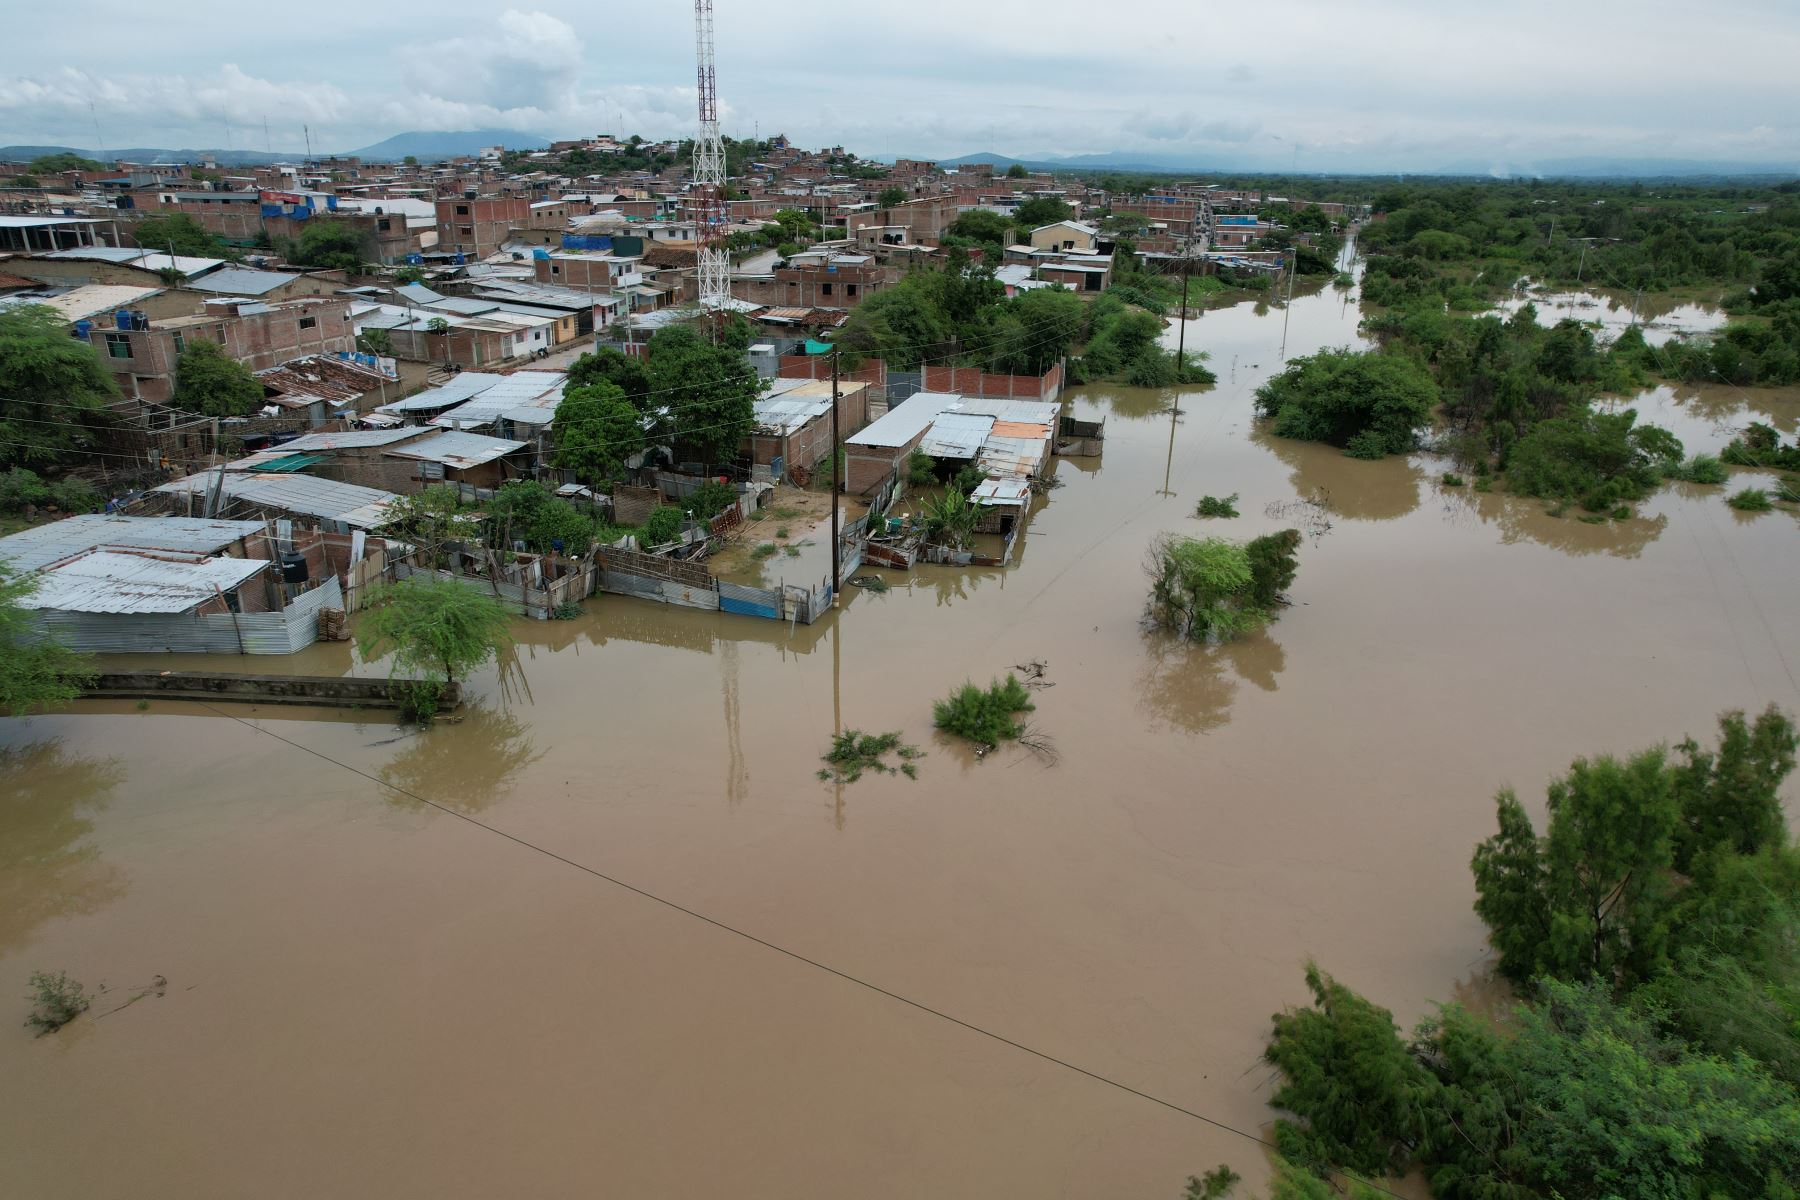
<point>1359,490</point>
<point>1190,686</point>
<point>464,765</point>
<point>48,867</point>
<point>1523,519</point>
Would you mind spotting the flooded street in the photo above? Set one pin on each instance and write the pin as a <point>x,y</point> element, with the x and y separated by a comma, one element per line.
<point>369,995</point>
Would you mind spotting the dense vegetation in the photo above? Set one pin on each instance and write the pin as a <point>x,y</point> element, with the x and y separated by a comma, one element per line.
<point>53,389</point>
<point>1651,933</point>
<point>179,233</point>
<point>1213,589</point>
<point>35,673</point>
<point>212,383</point>
<point>1368,405</point>
<point>687,392</point>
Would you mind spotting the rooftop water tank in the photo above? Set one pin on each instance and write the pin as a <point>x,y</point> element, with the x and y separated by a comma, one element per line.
<point>122,318</point>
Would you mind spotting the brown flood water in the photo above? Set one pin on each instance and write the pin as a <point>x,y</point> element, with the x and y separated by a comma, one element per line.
<point>367,996</point>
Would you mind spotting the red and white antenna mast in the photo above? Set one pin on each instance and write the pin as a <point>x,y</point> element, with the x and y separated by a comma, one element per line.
<point>708,193</point>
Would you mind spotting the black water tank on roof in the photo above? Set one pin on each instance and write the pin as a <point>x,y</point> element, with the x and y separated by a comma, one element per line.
<point>293,568</point>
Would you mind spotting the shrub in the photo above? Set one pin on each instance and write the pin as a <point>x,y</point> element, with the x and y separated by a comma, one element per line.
<point>853,752</point>
<point>1206,588</point>
<point>74,495</point>
<point>987,716</point>
<point>1702,468</point>
<point>920,468</point>
<point>1597,459</point>
<point>1751,500</point>
<point>662,526</point>
<point>710,499</point>
<point>20,487</point>
<point>764,550</point>
<point>1213,506</point>
<point>58,1000</point>
<point>1370,403</point>
<point>1452,480</point>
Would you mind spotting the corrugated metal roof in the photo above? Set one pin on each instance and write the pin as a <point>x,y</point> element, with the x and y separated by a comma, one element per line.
<point>305,495</point>
<point>459,389</point>
<point>1036,412</point>
<point>242,281</point>
<point>525,389</point>
<point>957,435</point>
<point>109,581</point>
<point>1001,491</point>
<point>905,421</point>
<point>789,412</point>
<point>1012,455</point>
<point>458,449</point>
<point>85,302</point>
<point>41,545</point>
<point>352,439</point>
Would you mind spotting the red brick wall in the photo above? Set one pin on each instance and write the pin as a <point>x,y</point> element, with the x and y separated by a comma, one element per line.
<point>972,381</point>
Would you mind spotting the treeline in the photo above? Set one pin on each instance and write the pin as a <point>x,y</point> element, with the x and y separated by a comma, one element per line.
<point>1652,932</point>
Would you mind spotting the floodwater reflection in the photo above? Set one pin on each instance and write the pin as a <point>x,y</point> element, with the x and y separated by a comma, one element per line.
<point>48,867</point>
<point>1190,687</point>
<point>463,764</point>
<point>1354,488</point>
<point>1525,519</point>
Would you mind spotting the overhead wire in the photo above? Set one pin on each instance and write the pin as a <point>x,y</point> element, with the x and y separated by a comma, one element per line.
<point>787,952</point>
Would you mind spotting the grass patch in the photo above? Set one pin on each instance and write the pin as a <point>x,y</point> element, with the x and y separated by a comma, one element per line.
<point>763,550</point>
<point>792,551</point>
<point>781,532</point>
<point>1452,479</point>
<point>1751,500</point>
<point>1214,506</point>
<point>56,1001</point>
<point>986,716</point>
<point>853,752</point>
<point>786,512</point>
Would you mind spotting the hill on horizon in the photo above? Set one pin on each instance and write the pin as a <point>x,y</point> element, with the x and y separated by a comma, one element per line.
<point>430,146</point>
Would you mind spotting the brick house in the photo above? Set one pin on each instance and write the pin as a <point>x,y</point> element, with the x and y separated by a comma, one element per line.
<point>793,421</point>
<point>143,361</point>
<point>477,226</point>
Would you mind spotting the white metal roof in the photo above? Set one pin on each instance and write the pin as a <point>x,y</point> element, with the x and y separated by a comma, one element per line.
<point>1036,412</point>
<point>123,581</point>
<point>41,545</point>
<point>458,449</point>
<point>242,281</point>
<point>88,301</point>
<point>905,421</point>
<point>306,495</point>
<point>957,434</point>
<point>524,389</point>
<point>459,389</point>
<point>1001,491</point>
<point>354,439</point>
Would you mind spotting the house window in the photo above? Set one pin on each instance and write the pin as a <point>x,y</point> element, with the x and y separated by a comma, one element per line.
<point>555,269</point>
<point>308,322</point>
<point>462,210</point>
<point>384,225</point>
<point>825,289</point>
<point>180,344</point>
<point>849,289</point>
<point>118,345</point>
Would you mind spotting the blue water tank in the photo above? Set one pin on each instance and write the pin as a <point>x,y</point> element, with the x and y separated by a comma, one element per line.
<point>122,318</point>
<point>540,254</point>
<point>83,328</point>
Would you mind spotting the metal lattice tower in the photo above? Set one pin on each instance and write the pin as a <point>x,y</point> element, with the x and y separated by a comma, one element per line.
<point>708,192</point>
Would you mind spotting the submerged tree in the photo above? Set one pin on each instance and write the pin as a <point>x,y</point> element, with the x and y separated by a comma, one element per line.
<point>1367,403</point>
<point>36,672</point>
<point>1210,588</point>
<point>437,626</point>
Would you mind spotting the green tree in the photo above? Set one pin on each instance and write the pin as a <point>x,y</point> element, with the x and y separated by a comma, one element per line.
<point>597,428</point>
<point>378,342</point>
<point>36,672</point>
<point>1204,588</point>
<point>180,233</point>
<point>56,164</point>
<point>411,160</point>
<point>1340,396</point>
<point>332,243</point>
<point>53,388</point>
<point>441,627</point>
<point>212,384</point>
<point>710,392</point>
<point>1731,799</point>
<point>1017,171</point>
<point>890,196</point>
<point>1042,210</point>
<point>603,364</point>
<point>1598,458</point>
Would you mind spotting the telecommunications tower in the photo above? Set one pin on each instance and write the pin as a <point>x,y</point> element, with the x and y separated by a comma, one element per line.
<point>708,190</point>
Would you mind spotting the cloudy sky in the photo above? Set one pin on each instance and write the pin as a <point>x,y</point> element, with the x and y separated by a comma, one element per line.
<point>1380,85</point>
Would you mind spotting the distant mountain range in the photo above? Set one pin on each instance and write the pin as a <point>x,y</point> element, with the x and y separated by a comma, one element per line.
<point>1560,168</point>
<point>425,146</point>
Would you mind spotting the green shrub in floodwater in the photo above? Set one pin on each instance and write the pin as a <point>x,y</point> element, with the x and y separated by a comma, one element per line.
<point>1597,459</point>
<point>1484,483</point>
<point>1788,490</point>
<point>1760,445</point>
<point>568,610</point>
<point>1751,500</point>
<point>853,752</point>
<point>1702,468</point>
<point>1452,479</point>
<point>763,550</point>
<point>985,716</point>
<point>57,1000</point>
<point>1367,444</point>
<point>1369,403</point>
<point>1205,588</point>
<point>1214,506</point>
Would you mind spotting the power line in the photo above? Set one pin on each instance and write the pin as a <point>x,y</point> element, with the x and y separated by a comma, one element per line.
<point>783,950</point>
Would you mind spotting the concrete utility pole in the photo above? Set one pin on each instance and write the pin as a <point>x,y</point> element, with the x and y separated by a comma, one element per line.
<point>836,483</point>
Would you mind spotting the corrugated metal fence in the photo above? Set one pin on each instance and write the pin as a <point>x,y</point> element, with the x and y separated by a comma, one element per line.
<point>293,628</point>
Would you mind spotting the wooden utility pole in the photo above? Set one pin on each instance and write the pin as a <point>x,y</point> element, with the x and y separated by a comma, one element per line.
<point>836,482</point>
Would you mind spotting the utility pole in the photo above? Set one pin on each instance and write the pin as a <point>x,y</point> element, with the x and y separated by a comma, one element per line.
<point>836,482</point>
<point>1288,305</point>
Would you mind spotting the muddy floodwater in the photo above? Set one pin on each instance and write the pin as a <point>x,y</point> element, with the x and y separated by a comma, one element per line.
<point>368,995</point>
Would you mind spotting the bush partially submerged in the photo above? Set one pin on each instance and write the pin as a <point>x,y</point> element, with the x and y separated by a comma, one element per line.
<point>1213,506</point>
<point>1204,588</point>
<point>985,716</point>
<point>57,1001</point>
<point>1368,403</point>
<point>1751,500</point>
<point>853,752</point>
<point>1596,459</point>
<point>1760,445</point>
<point>1702,468</point>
